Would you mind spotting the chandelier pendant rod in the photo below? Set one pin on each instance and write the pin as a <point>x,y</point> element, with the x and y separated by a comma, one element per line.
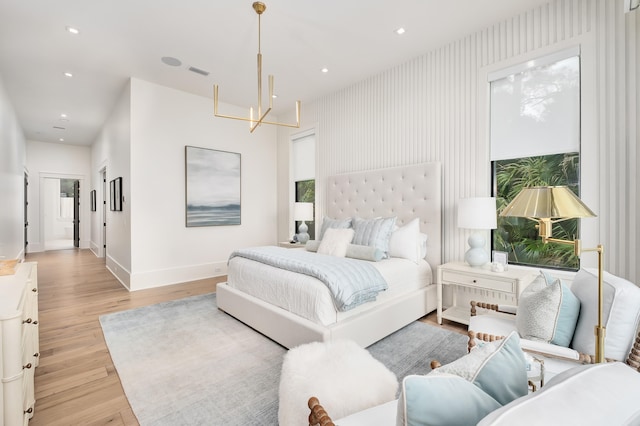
<point>254,123</point>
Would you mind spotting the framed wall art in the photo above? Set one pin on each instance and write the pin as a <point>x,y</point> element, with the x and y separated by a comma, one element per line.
<point>212,187</point>
<point>115,193</point>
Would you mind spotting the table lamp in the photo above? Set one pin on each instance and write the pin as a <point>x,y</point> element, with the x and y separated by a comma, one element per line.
<point>551,204</point>
<point>477,213</point>
<point>302,212</point>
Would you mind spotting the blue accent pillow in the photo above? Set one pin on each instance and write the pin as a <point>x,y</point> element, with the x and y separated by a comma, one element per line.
<point>327,223</point>
<point>466,390</point>
<point>547,311</point>
<point>374,233</point>
<point>498,368</point>
<point>442,400</point>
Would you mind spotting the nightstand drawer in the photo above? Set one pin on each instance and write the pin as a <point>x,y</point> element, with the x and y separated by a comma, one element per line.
<point>482,282</point>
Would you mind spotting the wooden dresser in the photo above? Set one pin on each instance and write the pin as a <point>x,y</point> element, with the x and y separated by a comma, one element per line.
<point>19,346</point>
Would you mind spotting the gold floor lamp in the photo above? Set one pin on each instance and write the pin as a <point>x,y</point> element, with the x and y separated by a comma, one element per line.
<point>551,204</point>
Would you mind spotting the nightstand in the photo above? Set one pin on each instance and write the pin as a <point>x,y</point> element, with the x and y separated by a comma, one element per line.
<point>460,274</point>
<point>287,244</point>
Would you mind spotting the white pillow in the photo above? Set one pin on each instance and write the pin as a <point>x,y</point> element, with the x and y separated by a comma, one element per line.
<point>404,241</point>
<point>335,241</point>
<point>621,313</point>
<point>422,241</point>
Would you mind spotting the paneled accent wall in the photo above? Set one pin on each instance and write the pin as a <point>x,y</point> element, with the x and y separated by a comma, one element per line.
<point>433,108</point>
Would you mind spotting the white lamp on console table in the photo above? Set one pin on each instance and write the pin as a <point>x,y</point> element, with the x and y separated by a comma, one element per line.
<point>477,213</point>
<point>302,212</point>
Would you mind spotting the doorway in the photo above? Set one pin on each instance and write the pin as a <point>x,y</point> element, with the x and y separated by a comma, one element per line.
<point>61,202</point>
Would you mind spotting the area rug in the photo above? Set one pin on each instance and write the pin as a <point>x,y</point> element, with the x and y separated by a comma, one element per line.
<point>185,362</point>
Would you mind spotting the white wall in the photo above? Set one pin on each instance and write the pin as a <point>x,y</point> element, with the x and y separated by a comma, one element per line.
<point>431,109</point>
<point>53,160</point>
<point>112,149</point>
<point>163,250</point>
<point>144,141</point>
<point>12,168</point>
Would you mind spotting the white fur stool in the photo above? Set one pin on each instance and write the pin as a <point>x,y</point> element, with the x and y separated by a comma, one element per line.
<point>343,376</point>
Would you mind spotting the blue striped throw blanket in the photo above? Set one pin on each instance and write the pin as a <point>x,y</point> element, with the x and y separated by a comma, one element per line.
<point>352,282</point>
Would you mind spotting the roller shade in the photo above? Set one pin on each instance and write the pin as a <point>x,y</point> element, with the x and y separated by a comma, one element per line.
<point>303,158</point>
<point>536,111</point>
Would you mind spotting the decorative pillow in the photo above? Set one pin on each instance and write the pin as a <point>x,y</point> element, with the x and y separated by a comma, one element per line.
<point>422,242</point>
<point>335,242</point>
<point>404,241</point>
<point>371,254</point>
<point>620,311</point>
<point>312,245</point>
<point>442,400</point>
<point>374,232</point>
<point>547,311</point>
<point>327,223</point>
<point>354,251</point>
<point>498,368</point>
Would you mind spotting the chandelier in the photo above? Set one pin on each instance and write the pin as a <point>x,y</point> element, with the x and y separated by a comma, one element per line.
<point>259,7</point>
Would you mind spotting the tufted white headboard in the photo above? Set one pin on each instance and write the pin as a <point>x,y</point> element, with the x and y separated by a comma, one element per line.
<point>405,192</point>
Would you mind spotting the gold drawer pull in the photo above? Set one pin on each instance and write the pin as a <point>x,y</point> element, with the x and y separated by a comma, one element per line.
<point>28,321</point>
<point>35,322</point>
<point>29,411</point>
<point>28,366</point>
<point>37,354</point>
<point>35,290</point>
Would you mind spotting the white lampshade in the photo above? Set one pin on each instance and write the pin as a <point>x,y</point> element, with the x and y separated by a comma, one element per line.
<point>477,213</point>
<point>303,211</point>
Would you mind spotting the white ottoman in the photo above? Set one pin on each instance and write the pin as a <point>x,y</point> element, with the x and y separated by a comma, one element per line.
<point>343,376</point>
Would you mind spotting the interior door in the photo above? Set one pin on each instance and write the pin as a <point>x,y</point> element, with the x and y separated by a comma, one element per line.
<point>104,213</point>
<point>26,204</point>
<point>76,213</point>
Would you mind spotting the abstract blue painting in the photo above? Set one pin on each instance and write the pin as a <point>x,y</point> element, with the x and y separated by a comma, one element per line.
<point>212,187</point>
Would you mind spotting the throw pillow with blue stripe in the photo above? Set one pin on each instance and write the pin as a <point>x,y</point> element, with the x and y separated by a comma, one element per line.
<point>374,232</point>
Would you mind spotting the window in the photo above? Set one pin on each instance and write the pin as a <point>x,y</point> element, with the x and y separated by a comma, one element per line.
<point>535,141</point>
<point>303,160</point>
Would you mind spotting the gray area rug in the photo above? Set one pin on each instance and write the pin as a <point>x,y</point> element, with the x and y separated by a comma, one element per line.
<point>185,362</point>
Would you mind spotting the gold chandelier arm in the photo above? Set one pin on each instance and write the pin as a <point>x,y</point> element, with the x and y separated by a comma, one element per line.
<point>259,121</point>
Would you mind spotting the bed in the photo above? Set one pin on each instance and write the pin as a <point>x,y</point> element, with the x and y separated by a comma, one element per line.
<point>255,294</point>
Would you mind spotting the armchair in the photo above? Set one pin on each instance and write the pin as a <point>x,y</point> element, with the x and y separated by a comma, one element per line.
<point>621,316</point>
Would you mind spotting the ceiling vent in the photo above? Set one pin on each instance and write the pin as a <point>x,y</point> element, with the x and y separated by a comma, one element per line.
<point>59,128</point>
<point>199,71</point>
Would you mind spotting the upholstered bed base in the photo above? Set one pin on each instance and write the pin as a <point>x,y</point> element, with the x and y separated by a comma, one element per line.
<point>404,192</point>
<point>291,330</point>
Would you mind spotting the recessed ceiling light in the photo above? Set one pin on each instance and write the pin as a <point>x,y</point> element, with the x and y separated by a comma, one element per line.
<point>68,74</point>
<point>168,60</point>
<point>400,31</point>
<point>73,30</point>
<point>63,115</point>
<point>274,96</point>
<point>61,139</point>
<point>325,70</point>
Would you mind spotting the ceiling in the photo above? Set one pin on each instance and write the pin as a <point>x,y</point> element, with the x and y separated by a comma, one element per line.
<point>120,39</point>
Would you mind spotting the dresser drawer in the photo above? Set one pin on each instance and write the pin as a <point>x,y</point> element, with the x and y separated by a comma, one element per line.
<point>457,278</point>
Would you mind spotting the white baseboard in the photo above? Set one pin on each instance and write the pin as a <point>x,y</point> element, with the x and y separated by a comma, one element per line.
<point>35,247</point>
<point>162,277</point>
<point>121,273</point>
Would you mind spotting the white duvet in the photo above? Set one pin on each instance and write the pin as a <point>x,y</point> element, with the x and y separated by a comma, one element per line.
<point>308,297</point>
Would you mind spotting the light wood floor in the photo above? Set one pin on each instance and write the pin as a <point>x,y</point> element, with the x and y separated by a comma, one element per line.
<point>76,382</point>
